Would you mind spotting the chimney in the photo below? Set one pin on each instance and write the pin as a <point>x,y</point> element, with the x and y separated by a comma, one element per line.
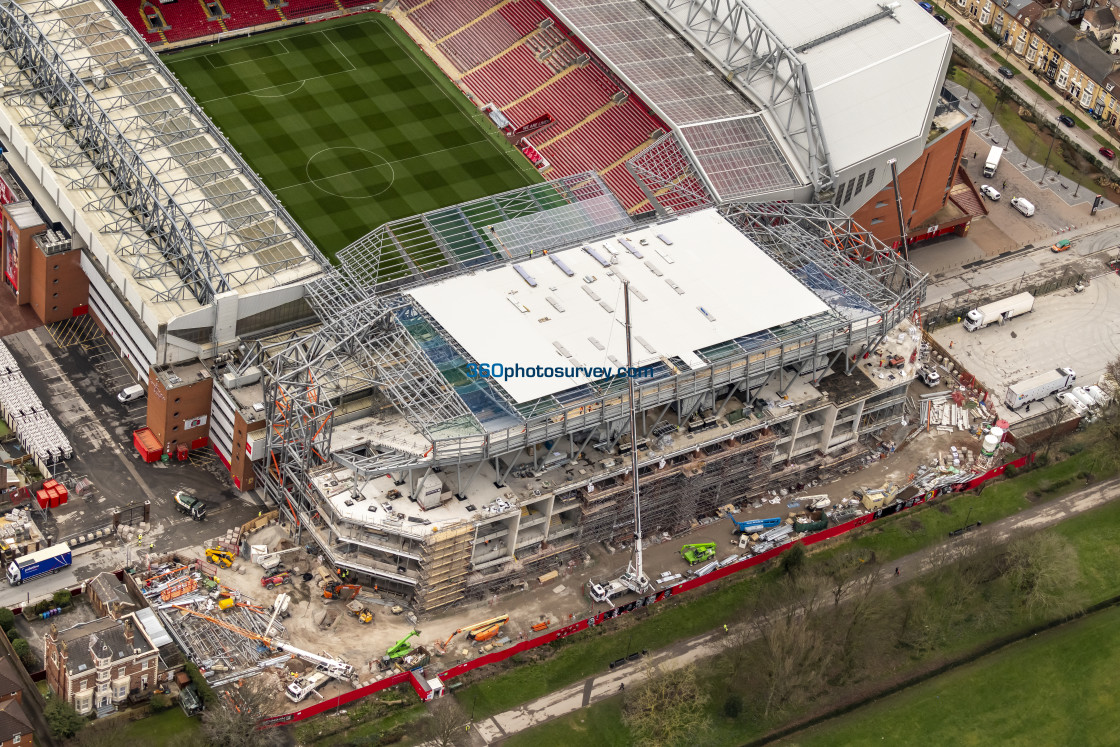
<point>128,630</point>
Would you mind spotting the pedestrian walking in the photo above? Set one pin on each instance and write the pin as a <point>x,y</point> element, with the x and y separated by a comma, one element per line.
<point>139,539</point>
<point>621,686</point>
<point>1005,184</point>
<point>897,572</point>
<point>151,546</point>
<point>950,344</point>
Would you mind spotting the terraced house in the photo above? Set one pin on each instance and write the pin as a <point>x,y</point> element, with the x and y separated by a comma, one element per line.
<point>1070,44</point>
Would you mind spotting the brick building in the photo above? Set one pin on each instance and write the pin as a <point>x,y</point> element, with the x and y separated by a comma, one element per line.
<point>96,665</point>
<point>15,729</point>
<point>109,597</point>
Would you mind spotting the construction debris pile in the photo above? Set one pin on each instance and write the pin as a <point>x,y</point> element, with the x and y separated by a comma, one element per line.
<point>953,411</point>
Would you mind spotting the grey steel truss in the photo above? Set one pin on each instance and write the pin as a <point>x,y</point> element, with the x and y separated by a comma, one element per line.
<point>749,53</point>
<point>190,218</point>
<point>462,237</point>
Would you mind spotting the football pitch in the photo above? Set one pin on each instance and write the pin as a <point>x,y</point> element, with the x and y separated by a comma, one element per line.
<point>349,125</point>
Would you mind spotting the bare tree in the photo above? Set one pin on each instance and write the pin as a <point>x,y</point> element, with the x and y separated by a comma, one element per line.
<point>232,722</point>
<point>668,708</point>
<point>795,648</point>
<point>446,723</point>
<point>1110,413</point>
<point>1045,570</point>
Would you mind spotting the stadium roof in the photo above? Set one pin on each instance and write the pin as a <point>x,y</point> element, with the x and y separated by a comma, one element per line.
<point>840,82</point>
<point>183,217</point>
<point>877,82</point>
<point>695,282</point>
<point>724,132</point>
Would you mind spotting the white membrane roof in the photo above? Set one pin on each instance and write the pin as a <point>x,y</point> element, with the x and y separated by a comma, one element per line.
<point>710,285</point>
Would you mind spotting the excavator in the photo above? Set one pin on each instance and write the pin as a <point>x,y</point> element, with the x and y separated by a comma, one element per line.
<point>482,631</point>
<point>219,557</point>
<point>698,553</point>
<point>401,647</point>
<point>345,592</point>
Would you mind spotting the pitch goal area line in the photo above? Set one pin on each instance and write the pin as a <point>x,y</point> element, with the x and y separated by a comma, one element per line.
<point>266,42</point>
<point>302,81</point>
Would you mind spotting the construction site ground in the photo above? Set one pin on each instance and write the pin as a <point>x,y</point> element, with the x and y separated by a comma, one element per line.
<point>1065,329</point>
<point>327,627</point>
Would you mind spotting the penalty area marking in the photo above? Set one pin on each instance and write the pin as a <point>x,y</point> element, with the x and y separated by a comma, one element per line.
<point>267,42</point>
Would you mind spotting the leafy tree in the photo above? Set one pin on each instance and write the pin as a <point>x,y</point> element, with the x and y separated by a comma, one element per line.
<point>62,719</point>
<point>159,702</point>
<point>200,684</point>
<point>61,598</point>
<point>668,709</point>
<point>793,559</point>
<point>7,619</point>
<point>23,651</point>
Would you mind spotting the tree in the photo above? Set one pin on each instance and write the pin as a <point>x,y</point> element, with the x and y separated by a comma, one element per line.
<point>159,702</point>
<point>1045,569</point>
<point>7,619</point>
<point>23,651</point>
<point>446,723</point>
<point>62,719</point>
<point>669,708</point>
<point>232,722</point>
<point>793,559</point>
<point>1110,414</point>
<point>200,684</point>
<point>61,598</point>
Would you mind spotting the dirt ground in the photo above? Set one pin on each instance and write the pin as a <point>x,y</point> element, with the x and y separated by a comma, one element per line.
<point>325,626</point>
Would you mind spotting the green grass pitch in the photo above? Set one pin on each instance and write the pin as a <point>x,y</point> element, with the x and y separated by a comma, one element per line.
<point>349,124</point>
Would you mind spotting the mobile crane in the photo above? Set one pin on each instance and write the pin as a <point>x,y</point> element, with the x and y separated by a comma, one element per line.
<point>481,631</point>
<point>634,578</point>
<point>334,667</point>
<point>698,553</point>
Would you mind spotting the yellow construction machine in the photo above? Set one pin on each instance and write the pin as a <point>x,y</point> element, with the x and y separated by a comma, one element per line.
<point>219,557</point>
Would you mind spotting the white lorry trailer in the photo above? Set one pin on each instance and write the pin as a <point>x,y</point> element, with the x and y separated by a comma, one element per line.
<point>998,312</point>
<point>992,163</point>
<point>1039,387</point>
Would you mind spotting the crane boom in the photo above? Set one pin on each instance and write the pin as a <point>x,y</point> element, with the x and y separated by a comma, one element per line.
<point>635,577</point>
<point>467,628</point>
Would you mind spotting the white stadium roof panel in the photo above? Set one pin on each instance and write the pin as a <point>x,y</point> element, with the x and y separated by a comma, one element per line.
<point>711,285</point>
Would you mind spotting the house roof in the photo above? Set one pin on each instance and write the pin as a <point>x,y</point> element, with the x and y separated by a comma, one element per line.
<point>1102,18</point>
<point>1081,53</point>
<point>13,721</point>
<point>1029,13</point>
<point>1015,6</point>
<point>9,678</point>
<point>109,590</point>
<point>105,636</point>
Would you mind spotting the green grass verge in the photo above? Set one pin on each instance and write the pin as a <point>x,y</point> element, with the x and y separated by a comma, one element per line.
<point>1004,62</point>
<point>1039,90</point>
<point>1056,688</point>
<point>1103,141</point>
<point>163,728</point>
<point>350,124</point>
<point>972,37</point>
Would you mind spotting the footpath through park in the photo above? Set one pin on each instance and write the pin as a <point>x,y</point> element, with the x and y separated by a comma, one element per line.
<point>597,688</point>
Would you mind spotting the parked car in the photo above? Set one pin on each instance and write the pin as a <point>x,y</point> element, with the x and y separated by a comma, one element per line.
<point>1107,153</point>
<point>1066,120</point>
<point>1026,207</point>
<point>941,19</point>
<point>927,7</point>
<point>990,192</point>
<point>1061,246</point>
<point>1006,72</point>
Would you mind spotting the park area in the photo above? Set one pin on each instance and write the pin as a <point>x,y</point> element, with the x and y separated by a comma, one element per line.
<point>349,125</point>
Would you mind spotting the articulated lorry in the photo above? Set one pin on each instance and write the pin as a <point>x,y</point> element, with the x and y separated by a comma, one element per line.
<point>998,312</point>
<point>992,163</point>
<point>40,563</point>
<point>1039,387</point>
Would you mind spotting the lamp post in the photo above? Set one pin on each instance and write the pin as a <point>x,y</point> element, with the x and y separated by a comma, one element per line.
<point>1047,164</point>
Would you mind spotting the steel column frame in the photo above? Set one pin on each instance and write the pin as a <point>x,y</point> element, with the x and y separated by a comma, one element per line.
<point>751,54</point>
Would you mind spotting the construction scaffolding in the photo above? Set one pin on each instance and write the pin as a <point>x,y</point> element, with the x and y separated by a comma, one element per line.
<point>445,562</point>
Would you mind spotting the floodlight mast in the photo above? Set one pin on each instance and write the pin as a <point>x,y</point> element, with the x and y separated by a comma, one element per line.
<point>635,577</point>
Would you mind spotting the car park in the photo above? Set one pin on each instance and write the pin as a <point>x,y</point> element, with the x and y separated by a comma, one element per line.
<point>1006,72</point>
<point>1066,120</point>
<point>990,192</point>
<point>1107,153</point>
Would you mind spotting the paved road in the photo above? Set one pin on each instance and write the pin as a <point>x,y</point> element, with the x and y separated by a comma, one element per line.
<point>596,688</point>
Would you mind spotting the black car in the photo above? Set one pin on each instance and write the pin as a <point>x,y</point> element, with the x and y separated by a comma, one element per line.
<point>1066,120</point>
<point>1006,72</point>
<point>941,19</point>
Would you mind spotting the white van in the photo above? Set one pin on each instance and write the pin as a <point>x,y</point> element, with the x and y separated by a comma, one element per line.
<point>130,393</point>
<point>1023,206</point>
